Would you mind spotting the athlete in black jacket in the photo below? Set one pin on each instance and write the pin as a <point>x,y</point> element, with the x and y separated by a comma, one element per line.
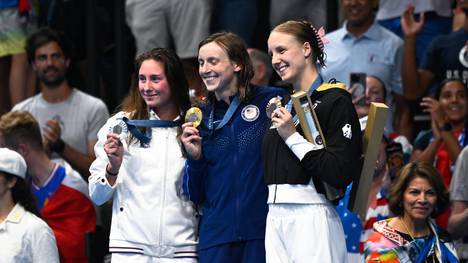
<point>295,169</point>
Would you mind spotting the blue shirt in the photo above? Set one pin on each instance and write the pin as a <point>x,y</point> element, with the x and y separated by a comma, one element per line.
<point>377,52</point>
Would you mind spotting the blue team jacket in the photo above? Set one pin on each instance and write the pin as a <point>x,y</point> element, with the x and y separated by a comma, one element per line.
<point>228,180</point>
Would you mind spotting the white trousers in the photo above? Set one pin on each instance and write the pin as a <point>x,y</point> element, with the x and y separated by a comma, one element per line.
<point>139,258</point>
<point>304,233</point>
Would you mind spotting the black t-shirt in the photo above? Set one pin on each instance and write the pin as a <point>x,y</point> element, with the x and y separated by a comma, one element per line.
<point>442,57</point>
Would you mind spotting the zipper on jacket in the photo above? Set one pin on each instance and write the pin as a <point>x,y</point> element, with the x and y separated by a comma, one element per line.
<point>237,191</point>
<point>163,198</point>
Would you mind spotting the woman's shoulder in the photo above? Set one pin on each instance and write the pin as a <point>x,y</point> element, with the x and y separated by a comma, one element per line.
<point>381,243</point>
<point>384,231</point>
<point>34,225</point>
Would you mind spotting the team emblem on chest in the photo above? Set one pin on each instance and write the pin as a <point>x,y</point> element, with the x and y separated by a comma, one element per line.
<point>250,113</point>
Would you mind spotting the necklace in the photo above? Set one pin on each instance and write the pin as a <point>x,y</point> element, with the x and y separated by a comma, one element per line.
<point>410,233</point>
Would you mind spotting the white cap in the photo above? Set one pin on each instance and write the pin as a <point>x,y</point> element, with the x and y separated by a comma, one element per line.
<point>12,162</point>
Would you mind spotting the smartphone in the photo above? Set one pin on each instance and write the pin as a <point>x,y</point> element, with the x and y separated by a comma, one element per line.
<point>357,80</point>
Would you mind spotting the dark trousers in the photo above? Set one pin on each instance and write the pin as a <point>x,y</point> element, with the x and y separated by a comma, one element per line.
<point>237,252</point>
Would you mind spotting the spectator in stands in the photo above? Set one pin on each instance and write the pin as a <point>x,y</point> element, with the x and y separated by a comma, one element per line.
<point>445,58</point>
<point>416,195</point>
<point>61,194</point>
<point>24,236</point>
<point>437,15</point>
<point>151,220</point>
<point>16,78</point>
<point>69,118</point>
<point>458,221</point>
<point>177,24</point>
<point>375,92</point>
<point>261,63</point>
<point>362,45</point>
<point>442,144</point>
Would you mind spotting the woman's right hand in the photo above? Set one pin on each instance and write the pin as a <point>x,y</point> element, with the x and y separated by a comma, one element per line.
<point>191,140</point>
<point>409,25</point>
<point>114,150</point>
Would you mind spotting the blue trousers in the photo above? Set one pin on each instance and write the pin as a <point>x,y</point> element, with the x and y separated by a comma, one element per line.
<point>252,251</point>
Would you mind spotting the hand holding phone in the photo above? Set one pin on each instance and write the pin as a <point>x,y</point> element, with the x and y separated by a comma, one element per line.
<point>357,86</point>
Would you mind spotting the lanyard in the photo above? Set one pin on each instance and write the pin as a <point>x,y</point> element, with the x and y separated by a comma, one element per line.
<point>132,127</point>
<point>317,82</point>
<point>227,116</point>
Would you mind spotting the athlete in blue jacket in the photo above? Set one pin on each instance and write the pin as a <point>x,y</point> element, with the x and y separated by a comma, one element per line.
<point>223,172</point>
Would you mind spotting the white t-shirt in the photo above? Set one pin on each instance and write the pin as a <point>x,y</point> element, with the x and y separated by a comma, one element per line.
<point>25,237</point>
<point>80,116</point>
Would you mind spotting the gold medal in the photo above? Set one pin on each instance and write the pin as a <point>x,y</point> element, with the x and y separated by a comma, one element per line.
<point>194,115</point>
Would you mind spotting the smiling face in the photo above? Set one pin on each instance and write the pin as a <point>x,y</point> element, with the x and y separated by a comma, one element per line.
<point>453,100</point>
<point>50,64</point>
<point>153,85</point>
<point>288,56</point>
<point>419,199</point>
<point>374,90</point>
<point>217,71</point>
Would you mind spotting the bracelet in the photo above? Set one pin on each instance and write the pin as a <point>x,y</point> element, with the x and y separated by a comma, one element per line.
<point>109,173</point>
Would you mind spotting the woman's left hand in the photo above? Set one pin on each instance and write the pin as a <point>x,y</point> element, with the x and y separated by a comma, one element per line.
<point>432,106</point>
<point>283,121</point>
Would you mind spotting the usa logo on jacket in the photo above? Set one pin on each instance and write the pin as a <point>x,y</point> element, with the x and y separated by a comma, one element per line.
<point>250,113</point>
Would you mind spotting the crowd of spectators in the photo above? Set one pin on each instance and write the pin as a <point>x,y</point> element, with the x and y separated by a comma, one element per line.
<point>412,60</point>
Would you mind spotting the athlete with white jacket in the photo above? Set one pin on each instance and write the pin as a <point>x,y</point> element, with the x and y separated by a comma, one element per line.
<point>139,164</point>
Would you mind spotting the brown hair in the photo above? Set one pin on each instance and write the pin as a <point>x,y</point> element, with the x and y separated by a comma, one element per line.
<point>304,31</point>
<point>20,126</point>
<point>21,193</point>
<point>178,84</point>
<point>44,36</point>
<point>237,52</point>
<point>411,171</point>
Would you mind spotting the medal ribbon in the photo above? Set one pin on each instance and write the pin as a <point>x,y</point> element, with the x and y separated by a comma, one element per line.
<point>133,124</point>
<point>317,82</point>
<point>227,116</point>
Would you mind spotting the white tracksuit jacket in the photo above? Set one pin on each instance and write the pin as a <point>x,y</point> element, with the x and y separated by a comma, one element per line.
<point>149,214</point>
